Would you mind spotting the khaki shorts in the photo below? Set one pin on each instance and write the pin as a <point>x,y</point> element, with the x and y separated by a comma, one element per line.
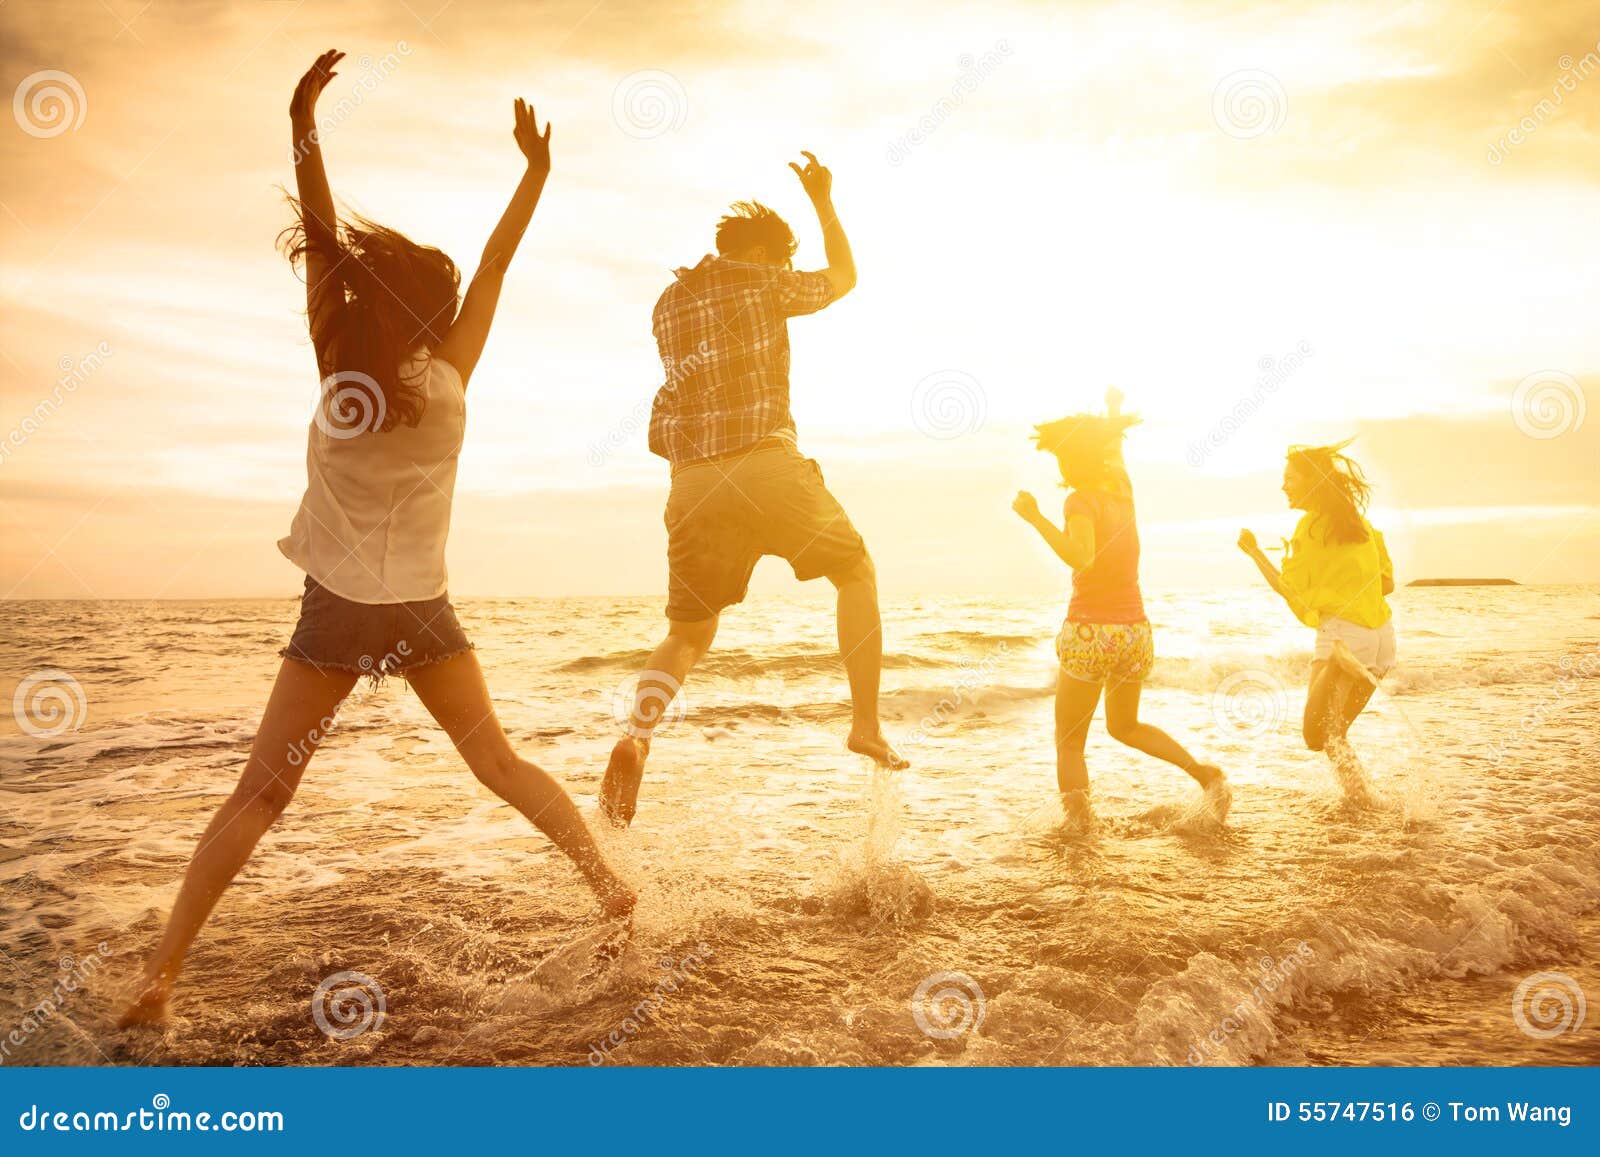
<point>725,513</point>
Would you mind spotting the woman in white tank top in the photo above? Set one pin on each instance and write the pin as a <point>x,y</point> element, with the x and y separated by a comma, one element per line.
<point>395,358</point>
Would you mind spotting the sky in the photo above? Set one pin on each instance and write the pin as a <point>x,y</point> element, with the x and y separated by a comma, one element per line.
<point>1265,223</point>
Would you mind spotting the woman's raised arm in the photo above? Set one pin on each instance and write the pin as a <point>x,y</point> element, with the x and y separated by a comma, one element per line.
<point>317,214</point>
<point>463,345</point>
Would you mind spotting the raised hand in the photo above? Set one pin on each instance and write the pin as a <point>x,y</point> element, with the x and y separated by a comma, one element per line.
<point>534,146</point>
<point>1248,543</point>
<point>1026,505</point>
<point>815,178</point>
<point>303,105</point>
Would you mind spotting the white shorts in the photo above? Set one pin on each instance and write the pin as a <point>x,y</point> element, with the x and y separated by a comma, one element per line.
<point>1372,647</point>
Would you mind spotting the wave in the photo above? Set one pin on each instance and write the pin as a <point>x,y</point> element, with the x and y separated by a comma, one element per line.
<point>1240,1009</point>
<point>740,663</point>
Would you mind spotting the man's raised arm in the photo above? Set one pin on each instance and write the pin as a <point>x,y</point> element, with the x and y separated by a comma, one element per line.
<point>817,181</point>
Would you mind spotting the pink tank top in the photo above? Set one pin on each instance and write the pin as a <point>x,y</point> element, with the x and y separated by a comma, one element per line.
<point>1107,590</point>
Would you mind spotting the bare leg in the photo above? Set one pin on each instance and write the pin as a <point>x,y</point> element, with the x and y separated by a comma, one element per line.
<point>685,645</point>
<point>454,693</point>
<point>861,647</point>
<point>1333,702</point>
<point>299,714</point>
<point>1124,725</point>
<point>1075,704</point>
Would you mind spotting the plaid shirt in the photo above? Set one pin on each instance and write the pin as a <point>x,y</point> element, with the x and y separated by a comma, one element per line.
<point>722,329</point>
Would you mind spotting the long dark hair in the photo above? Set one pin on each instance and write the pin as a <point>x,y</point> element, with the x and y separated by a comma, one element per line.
<point>386,297</point>
<point>1341,491</point>
<point>1085,447</point>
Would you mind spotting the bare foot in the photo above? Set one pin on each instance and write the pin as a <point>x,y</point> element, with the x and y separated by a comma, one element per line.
<point>874,746</point>
<point>1218,794</point>
<point>150,1006</point>
<point>1079,817</point>
<point>620,903</point>
<point>619,790</point>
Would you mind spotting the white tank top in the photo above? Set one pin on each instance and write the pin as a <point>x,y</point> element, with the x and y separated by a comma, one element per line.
<point>376,512</point>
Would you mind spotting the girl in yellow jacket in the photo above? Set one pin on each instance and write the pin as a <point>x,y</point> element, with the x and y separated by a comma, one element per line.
<point>1336,574</point>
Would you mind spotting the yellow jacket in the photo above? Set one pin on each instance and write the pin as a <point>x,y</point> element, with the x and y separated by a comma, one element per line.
<point>1337,580</point>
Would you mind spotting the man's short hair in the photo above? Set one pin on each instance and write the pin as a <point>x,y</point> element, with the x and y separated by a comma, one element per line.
<point>750,224</point>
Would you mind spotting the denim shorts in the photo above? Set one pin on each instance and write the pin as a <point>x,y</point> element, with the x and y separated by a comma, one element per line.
<point>373,639</point>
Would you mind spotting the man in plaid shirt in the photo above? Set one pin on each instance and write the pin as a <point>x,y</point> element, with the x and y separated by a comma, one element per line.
<point>741,488</point>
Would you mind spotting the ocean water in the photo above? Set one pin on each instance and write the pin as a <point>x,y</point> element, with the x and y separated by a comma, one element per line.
<point>798,906</point>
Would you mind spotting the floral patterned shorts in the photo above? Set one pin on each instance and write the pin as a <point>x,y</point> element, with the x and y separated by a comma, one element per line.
<point>1106,652</point>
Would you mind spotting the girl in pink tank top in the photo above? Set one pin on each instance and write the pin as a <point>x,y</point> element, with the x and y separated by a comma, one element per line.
<point>1105,641</point>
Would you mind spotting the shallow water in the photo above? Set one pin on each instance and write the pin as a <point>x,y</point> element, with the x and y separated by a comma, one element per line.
<point>795,902</point>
